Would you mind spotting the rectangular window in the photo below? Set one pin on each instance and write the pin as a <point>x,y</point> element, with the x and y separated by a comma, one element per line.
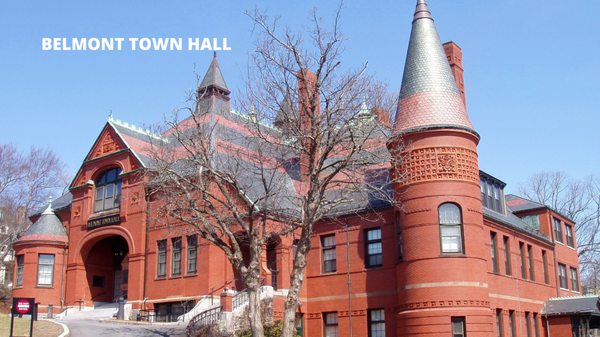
<point>512,323</point>
<point>176,256</point>
<point>376,323</point>
<point>536,332</point>
<point>192,254</point>
<point>499,323</point>
<point>528,324</point>
<point>45,269</point>
<point>569,234</point>
<point>459,328</point>
<point>531,266</point>
<point>373,248</point>
<point>562,276</point>
<point>545,262</point>
<point>523,261</point>
<point>20,266</point>
<point>399,240</point>
<point>532,221</point>
<point>558,236</point>
<point>328,253</point>
<point>161,258</point>
<point>574,279</point>
<point>507,264</point>
<point>494,252</point>
<point>330,324</point>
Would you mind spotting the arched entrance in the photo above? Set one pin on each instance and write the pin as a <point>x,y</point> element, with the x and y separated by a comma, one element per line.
<point>106,262</point>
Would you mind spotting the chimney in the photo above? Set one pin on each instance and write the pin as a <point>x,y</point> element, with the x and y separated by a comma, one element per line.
<point>309,106</point>
<point>454,55</point>
<point>383,116</point>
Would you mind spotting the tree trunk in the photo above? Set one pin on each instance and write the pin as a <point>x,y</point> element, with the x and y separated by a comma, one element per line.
<point>292,300</point>
<point>254,311</point>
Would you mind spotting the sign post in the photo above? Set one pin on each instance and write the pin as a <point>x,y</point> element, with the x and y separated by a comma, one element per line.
<point>22,306</point>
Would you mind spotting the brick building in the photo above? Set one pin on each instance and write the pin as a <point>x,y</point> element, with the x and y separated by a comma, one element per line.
<point>459,258</point>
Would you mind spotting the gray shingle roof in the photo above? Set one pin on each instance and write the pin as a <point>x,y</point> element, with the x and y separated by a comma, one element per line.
<point>213,76</point>
<point>47,224</point>
<point>519,204</point>
<point>572,305</point>
<point>514,222</point>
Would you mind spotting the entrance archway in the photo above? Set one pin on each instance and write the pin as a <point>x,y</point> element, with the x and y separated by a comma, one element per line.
<point>106,265</point>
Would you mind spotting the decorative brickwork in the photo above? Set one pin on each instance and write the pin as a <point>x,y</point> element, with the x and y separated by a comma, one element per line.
<point>440,163</point>
<point>443,304</point>
<point>105,145</point>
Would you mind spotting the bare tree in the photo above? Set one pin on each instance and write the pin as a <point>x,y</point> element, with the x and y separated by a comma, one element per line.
<point>578,200</point>
<point>325,154</point>
<point>26,182</point>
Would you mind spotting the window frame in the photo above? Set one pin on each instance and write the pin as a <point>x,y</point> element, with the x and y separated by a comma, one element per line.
<point>176,257</point>
<point>192,254</point>
<point>563,267</point>
<point>494,252</point>
<point>527,324</point>
<point>523,260</point>
<point>161,258</point>
<point>574,278</point>
<point>462,322</point>
<point>545,262</point>
<point>569,235</point>
<point>558,232</point>
<point>512,323</point>
<point>19,270</point>
<point>375,323</point>
<point>328,250</point>
<point>45,274</point>
<point>447,226</point>
<point>507,255</point>
<point>499,323</point>
<point>102,185</point>
<point>374,242</point>
<point>531,262</point>
<point>329,324</point>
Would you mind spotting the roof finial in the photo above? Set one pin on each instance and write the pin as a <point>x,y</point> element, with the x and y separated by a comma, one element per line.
<point>49,209</point>
<point>215,54</point>
<point>422,11</point>
<point>110,117</point>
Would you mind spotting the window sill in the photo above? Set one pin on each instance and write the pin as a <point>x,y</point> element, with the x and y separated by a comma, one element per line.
<point>191,275</point>
<point>453,255</point>
<point>330,272</point>
<point>103,213</point>
<point>160,278</point>
<point>44,286</point>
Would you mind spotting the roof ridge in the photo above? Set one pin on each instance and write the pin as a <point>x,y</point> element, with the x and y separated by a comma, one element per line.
<point>135,128</point>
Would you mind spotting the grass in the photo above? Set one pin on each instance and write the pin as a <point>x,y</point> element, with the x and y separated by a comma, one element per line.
<point>40,328</point>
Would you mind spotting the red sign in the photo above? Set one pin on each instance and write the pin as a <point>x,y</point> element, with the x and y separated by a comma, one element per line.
<point>23,306</point>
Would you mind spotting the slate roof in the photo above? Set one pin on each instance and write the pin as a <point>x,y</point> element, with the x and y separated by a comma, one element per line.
<point>429,96</point>
<point>48,227</point>
<point>514,222</point>
<point>62,202</point>
<point>519,204</point>
<point>559,306</point>
<point>214,76</point>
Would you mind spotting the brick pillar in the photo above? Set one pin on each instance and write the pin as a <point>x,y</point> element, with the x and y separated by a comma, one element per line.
<point>227,300</point>
<point>309,107</point>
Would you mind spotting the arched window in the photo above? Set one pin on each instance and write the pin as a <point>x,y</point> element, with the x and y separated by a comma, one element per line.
<point>108,190</point>
<point>450,228</point>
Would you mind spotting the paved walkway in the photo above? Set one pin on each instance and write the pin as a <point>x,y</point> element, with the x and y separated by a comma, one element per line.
<point>99,323</point>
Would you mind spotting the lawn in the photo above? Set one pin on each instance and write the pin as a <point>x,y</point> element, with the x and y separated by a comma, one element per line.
<point>40,328</point>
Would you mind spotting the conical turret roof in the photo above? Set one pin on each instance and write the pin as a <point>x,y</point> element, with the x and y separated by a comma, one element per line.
<point>214,77</point>
<point>47,228</point>
<point>429,96</point>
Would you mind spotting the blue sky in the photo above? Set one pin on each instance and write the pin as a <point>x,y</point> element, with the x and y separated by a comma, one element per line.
<point>532,69</point>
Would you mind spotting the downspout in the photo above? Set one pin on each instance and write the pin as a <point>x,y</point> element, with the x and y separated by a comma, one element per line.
<point>147,197</point>
<point>349,281</point>
<point>62,278</point>
<point>547,327</point>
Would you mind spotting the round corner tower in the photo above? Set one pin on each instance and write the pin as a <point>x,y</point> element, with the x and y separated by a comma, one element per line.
<point>442,278</point>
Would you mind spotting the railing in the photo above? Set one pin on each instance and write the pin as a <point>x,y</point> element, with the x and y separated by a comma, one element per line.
<point>204,318</point>
<point>239,299</point>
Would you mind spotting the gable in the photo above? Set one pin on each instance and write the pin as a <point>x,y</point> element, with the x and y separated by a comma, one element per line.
<point>108,142</point>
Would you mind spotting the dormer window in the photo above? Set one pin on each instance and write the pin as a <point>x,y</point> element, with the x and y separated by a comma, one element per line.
<point>108,190</point>
<point>492,194</point>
